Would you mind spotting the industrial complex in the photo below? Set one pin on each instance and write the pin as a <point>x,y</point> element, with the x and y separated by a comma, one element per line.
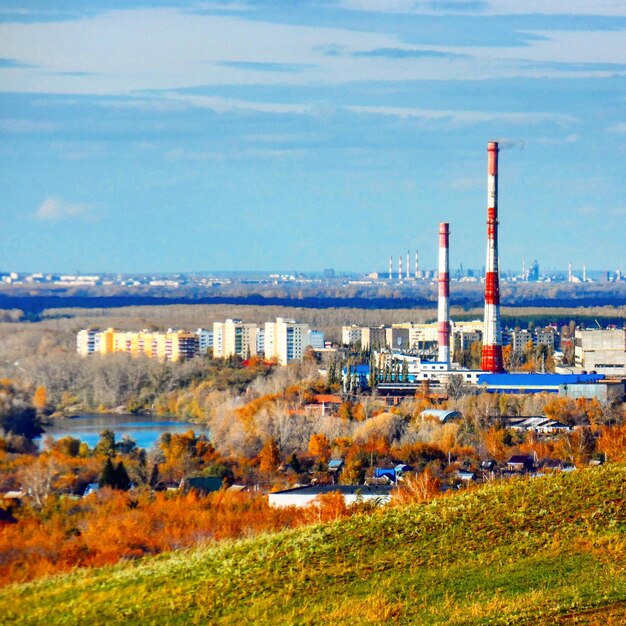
<point>400,370</point>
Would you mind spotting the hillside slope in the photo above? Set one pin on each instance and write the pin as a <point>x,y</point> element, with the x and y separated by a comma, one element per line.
<point>548,550</point>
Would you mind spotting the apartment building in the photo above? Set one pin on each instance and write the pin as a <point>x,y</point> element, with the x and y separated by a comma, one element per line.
<point>171,345</point>
<point>234,337</point>
<point>285,340</point>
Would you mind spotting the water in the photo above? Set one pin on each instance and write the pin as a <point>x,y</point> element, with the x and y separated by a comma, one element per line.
<point>144,430</point>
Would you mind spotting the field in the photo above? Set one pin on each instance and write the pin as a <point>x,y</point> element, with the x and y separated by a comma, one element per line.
<point>545,550</point>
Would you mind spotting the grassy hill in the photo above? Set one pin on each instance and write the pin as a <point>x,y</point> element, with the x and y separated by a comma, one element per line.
<point>537,551</point>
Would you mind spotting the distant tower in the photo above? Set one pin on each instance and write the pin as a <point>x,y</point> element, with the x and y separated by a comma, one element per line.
<point>443,312</point>
<point>390,267</point>
<point>584,273</point>
<point>569,272</point>
<point>523,269</point>
<point>400,268</point>
<point>417,264</point>
<point>492,334</point>
<point>408,264</point>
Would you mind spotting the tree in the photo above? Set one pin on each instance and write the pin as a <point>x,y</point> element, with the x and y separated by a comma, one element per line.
<point>107,476</point>
<point>38,479</point>
<point>122,481</point>
<point>106,445</point>
<point>17,414</point>
<point>269,456</point>
<point>39,399</point>
<point>319,446</point>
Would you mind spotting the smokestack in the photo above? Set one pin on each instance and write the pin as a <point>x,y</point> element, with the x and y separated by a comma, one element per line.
<point>443,317</point>
<point>492,334</point>
<point>400,268</point>
<point>569,272</point>
<point>408,264</point>
<point>584,273</point>
<point>390,267</point>
<point>417,265</point>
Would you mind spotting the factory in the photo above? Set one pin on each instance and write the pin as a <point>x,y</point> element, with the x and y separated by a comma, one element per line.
<point>395,371</point>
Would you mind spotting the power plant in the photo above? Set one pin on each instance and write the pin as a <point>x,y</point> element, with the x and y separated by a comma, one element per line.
<point>443,301</point>
<point>492,333</point>
<point>401,370</point>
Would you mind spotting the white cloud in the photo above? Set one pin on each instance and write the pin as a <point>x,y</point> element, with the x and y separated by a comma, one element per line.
<point>24,126</point>
<point>58,209</point>
<point>618,128</point>
<point>178,154</point>
<point>467,117</point>
<point>127,52</point>
<point>491,7</point>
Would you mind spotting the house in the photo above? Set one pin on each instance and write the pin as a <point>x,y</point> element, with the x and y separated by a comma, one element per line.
<point>520,463</point>
<point>335,466</point>
<point>303,496</point>
<point>202,484</point>
<point>466,476</point>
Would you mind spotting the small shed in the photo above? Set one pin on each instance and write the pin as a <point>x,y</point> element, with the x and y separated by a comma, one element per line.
<point>520,463</point>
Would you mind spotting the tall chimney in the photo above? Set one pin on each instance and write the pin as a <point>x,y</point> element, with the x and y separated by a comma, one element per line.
<point>390,267</point>
<point>569,272</point>
<point>417,265</point>
<point>492,334</point>
<point>400,268</point>
<point>443,317</point>
<point>408,265</point>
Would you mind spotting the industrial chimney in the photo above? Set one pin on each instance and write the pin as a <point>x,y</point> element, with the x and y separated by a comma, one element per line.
<point>417,265</point>
<point>443,317</point>
<point>390,267</point>
<point>400,268</point>
<point>492,334</point>
<point>408,264</point>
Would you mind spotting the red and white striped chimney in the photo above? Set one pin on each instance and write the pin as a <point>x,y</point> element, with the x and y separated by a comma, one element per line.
<point>492,334</point>
<point>443,317</point>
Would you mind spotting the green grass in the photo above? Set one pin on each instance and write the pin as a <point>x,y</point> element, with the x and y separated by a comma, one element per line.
<point>539,551</point>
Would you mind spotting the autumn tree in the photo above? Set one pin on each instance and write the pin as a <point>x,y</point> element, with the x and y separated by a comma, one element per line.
<point>39,399</point>
<point>319,446</point>
<point>612,442</point>
<point>269,456</point>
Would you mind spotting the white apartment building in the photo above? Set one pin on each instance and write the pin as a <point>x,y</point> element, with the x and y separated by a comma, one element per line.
<point>234,337</point>
<point>351,335</point>
<point>285,340</point>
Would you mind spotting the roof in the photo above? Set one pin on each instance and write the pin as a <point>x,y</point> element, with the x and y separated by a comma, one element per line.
<point>203,483</point>
<point>520,458</point>
<point>442,415</point>
<point>537,380</point>
<point>328,398</point>
<point>366,490</point>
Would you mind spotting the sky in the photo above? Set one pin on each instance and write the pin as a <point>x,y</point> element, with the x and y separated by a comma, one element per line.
<point>302,135</point>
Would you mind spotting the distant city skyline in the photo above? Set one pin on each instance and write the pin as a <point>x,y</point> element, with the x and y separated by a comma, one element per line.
<point>174,137</point>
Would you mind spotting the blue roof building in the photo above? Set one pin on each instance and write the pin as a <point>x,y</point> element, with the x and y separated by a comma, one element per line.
<point>533,383</point>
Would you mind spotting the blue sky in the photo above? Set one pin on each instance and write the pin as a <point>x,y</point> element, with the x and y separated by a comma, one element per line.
<point>182,136</point>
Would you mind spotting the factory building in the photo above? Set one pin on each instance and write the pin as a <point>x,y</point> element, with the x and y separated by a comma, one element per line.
<point>602,351</point>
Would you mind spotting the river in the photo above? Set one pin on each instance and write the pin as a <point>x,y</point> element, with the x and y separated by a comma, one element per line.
<point>144,430</point>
